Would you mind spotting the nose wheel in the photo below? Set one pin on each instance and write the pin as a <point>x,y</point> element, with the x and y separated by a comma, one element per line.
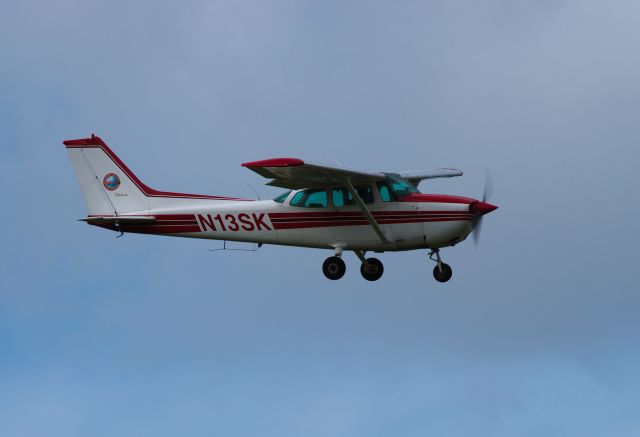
<point>441,272</point>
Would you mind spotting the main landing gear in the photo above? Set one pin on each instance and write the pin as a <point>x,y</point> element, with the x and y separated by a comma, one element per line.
<point>442,272</point>
<point>334,267</point>
<point>372,269</point>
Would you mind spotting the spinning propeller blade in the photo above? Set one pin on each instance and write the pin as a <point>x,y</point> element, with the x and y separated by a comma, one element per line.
<point>479,209</point>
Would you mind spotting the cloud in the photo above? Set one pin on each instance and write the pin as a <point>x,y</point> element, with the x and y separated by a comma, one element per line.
<point>146,335</point>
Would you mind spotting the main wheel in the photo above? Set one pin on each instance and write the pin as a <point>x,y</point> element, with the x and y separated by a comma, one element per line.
<point>333,268</point>
<point>372,270</point>
<point>444,275</point>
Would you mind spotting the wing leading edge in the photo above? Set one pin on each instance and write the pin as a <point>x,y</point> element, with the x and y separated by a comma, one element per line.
<point>293,173</point>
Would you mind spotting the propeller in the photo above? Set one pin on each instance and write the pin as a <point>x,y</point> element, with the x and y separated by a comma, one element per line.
<point>482,208</point>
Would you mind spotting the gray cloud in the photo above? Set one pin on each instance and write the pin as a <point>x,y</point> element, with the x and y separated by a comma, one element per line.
<point>152,336</point>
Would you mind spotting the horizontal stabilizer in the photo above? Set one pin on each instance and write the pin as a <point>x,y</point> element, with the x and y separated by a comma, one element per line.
<point>122,219</point>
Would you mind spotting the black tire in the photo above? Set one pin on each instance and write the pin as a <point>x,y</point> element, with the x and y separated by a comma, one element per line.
<point>374,271</point>
<point>444,275</point>
<point>333,268</point>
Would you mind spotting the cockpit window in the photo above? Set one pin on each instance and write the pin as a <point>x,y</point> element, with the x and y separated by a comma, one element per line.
<point>385,193</point>
<point>281,198</point>
<point>399,187</point>
<point>342,197</point>
<point>310,199</point>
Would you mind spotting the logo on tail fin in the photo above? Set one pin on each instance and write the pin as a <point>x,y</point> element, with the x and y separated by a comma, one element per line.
<point>111,181</point>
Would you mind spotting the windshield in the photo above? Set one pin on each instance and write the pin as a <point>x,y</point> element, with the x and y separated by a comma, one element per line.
<point>399,186</point>
<point>310,199</point>
<point>281,198</point>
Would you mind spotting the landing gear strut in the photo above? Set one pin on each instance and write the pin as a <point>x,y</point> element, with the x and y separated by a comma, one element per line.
<point>441,272</point>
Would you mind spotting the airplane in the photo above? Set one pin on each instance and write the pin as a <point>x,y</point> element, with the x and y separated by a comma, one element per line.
<point>325,206</point>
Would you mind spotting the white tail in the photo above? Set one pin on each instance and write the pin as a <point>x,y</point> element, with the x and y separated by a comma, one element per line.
<point>110,188</point>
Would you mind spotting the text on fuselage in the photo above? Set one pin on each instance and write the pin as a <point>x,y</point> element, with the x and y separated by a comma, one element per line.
<point>233,222</point>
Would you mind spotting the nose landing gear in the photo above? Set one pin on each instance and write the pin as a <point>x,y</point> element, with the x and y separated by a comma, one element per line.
<point>441,272</point>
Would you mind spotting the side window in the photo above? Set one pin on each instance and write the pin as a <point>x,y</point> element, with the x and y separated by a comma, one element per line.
<point>400,189</point>
<point>298,199</point>
<point>310,199</point>
<point>366,193</point>
<point>342,197</point>
<point>316,199</point>
<point>385,194</point>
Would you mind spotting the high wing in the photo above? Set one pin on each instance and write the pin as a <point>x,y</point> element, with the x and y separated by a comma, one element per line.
<point>296,174</point>
<point>293,173</point>
<point>415,177</point>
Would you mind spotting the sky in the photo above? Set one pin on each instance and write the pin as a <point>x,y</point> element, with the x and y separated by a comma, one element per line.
<point>536,333</point>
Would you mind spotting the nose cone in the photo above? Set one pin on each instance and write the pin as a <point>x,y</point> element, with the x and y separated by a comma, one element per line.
<point>482,208</point>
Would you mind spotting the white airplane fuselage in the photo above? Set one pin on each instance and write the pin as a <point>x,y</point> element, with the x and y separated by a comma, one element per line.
<point>337,208</point>
<point>419,221</point>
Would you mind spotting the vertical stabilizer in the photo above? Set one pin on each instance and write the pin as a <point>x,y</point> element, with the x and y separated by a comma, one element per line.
<point>108,186</point>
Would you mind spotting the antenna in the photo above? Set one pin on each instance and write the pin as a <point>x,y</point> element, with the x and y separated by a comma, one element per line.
<point>255,248</point>
<point>336,161</point>
<point>254,190</point>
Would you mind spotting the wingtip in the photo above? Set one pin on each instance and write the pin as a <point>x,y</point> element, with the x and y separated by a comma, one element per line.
<point>455,170</point>
<point>275,162</point>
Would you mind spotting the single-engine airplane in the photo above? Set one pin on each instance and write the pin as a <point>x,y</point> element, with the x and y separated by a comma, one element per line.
<point>329,207</point>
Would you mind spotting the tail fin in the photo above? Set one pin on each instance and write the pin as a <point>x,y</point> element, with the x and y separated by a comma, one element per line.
<point>107,184</point>
<point>110,188</point>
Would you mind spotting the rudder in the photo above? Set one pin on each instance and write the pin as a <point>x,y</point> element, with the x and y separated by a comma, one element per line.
<point>108,186</point>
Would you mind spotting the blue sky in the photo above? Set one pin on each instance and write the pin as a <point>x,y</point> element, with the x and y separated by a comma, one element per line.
<point>536,334</point>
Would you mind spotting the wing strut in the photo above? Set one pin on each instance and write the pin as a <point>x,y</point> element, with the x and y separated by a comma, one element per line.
<point>372,221</point>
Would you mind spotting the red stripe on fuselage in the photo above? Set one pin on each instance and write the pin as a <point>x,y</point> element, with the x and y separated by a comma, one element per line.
<point>328,224</point>
<point>386,217</point>
<point>355,213</point>
<point>436,198</point>
<point>150,228</point>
